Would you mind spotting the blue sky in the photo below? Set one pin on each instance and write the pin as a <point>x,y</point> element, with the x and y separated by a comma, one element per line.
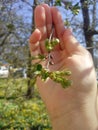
<point>26,12</point>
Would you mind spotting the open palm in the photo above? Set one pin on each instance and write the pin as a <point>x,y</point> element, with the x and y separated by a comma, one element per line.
<point>68,54</point>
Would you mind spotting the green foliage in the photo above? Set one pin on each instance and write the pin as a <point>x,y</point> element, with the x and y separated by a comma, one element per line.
<point>12,88</point>
<point>74,8</point>
<point>69,6</point>
<point>28,114</point>
<point>39,56</point>
<point>58,3</point>
<point>57,76</point>
<point>38,70</point>
<point>50,44</point>
<point>18,113</point>
<point>10,26</point>
<point>66,23</point>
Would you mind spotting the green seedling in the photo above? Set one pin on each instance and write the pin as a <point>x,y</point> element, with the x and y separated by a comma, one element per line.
<point>38,70</point>
<point>50,44</point>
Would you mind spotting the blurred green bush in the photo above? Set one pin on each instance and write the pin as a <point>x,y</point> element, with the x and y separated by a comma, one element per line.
<point>19,113</point>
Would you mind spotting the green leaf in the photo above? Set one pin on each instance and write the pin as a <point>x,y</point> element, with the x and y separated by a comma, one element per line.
<point>54,42</point>
<point>66,83</point>
<point>66,73</point>
<point>44,74</point>
<point>10,26</point>
<point>39,56</point>
<point>58,3</point>
<point>51,44</point>
<point>39,67</point>
<point>75,9</point>
<point>67,23</point>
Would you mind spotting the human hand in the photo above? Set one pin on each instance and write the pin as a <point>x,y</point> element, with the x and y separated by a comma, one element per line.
<point>78,102</point>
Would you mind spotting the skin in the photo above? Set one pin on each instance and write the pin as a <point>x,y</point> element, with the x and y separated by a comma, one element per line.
<point>74,108</point>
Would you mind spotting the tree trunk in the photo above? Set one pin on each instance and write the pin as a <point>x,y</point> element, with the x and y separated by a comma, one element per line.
<point>86,26</point>
<point>30,90</point>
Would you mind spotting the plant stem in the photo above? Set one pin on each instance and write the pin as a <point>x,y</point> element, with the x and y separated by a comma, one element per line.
<point>49,57</point>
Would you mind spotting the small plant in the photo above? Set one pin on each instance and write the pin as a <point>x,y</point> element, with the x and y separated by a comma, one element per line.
<point>39,71</point>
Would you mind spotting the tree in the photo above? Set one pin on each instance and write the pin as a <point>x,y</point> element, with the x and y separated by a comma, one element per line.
<point>74,8</point>
<point>14,33</point>
<point>30,75</point>
<point>15,29</point>
<point>89,25</point>
<point>83,19</point>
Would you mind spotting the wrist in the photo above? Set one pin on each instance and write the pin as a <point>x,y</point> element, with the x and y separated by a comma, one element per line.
<point>74,120</point>
<point>75,116</point>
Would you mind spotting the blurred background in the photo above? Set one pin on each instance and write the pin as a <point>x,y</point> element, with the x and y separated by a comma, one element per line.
<point>21,107</point>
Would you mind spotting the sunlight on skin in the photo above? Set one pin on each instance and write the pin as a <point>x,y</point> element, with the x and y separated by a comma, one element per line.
<point>74,108</point>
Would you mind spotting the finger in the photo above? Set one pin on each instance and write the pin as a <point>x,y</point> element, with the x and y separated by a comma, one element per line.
<point>58,23</point>
<point>40,21</point>
<point>35,37</point>
<point>48,18</point>
<point>48,25</point>
<point>34,42</point>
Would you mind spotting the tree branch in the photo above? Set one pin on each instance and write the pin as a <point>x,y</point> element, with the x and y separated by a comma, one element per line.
<point>86,17</point>
<point>1,35</point>
<point>3,41</point>
<point>94,14</point>
<point>94,32</point>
